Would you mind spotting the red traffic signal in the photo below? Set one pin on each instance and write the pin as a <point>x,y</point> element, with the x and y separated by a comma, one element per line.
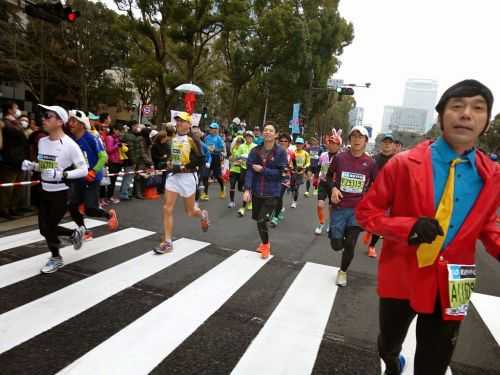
<point>71,15</point>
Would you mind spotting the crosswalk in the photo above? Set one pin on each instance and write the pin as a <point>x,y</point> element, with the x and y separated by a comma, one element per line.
<point>288,342</point>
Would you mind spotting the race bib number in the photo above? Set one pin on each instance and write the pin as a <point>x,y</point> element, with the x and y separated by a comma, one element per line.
<point>352,182</point>
<point>461,282</point>
<point>300,161</point>
<point>211,148</point>
<point>47,162</point>
<point>314,155</point>
<point>324,169</point>
<point>176,153</point>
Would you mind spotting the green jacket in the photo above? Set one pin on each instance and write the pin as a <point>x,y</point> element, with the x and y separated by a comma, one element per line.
<point>241,154</point>
<point>132,142</point>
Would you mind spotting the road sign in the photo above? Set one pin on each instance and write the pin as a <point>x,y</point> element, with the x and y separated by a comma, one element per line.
<point>334,83</point>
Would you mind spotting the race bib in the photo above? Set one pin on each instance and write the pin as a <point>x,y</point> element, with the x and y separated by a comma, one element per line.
<point>179,153</point>
<point>211,148</point>
<point>352,182</point>
<point>314,155</point>
<point>461,282</point>
<point>300,161</point>
<point>47,162</point>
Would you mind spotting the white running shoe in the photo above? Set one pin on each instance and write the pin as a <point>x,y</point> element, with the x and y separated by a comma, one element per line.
<point>53,264</point>
<point>341,278</point>
<point>293,205</point>
<point>230,205</point>
<point>77,237</point>
<point>319,229</point>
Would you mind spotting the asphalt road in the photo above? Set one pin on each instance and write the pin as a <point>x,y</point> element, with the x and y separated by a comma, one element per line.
<point>347,343</point>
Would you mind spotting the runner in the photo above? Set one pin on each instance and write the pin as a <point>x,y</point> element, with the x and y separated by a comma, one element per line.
<point>278,214</point>
<point>215,145</point>
<point>183,180</point>
<point>244,151</point>
<point>266,164</point>
<point>204,169</point>
<point>301,163</point>
<point>334,143</point>
<point>446,198</point>
<point>312,171</point>
<point>86,191</point>
<point>235,169</point>
<point>353,173</point>
<point>57,153</point>
<point>387,151</point>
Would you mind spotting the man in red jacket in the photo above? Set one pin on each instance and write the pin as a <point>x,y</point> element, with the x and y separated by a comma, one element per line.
<point>431,204</point>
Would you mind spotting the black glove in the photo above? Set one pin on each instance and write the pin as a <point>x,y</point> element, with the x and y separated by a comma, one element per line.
<point>425,230</point>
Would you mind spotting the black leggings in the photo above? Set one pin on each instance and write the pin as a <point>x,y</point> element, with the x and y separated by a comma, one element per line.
<point>279,203</point>
<point>87,194</point>
<point>219,179</point>
<point>113,168</point>
<point>375,238</point>
<point>436,338</point>
<point>347,243</point>
<point>235,178</point>
<point>53,206</point>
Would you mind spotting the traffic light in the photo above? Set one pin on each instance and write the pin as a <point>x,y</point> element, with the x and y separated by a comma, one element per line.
<point>52,12</point>
<point>347,91</point>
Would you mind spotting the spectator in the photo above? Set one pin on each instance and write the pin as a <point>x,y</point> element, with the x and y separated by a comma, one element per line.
<point>36,134</point>
<point>14,151</point>
<point>130,140</point>
<point>115,164</point>
<point>160,153</point>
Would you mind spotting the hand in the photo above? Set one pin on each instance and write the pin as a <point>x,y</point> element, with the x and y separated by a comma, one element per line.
<point>336,195</point>
<point>207,165</point>
<point>28,166</point>
<point>257,168</point>
<point>91,176</point>
<point>247,196</point>
<point>425,230</point>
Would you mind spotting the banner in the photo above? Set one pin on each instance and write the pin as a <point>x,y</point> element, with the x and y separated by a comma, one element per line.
<point>295,122</point>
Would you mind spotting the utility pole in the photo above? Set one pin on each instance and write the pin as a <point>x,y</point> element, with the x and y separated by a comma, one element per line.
<point>264,119</point>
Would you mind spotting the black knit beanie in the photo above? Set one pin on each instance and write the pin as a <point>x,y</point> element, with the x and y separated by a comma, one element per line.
<point>467,89</point>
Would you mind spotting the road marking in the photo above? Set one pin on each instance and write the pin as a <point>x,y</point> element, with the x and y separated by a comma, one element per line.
<point>141,346</point>
<point>17,271</point>
<point>25,238</point>
<point>289,341</point>
<point>29,320</point>
<point>409,347</point>
<point>488,308</point>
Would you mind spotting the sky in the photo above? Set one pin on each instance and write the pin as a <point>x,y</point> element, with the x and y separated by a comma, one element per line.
<point>394,40</point>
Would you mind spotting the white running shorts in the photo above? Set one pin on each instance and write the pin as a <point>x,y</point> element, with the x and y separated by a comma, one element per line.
<point>184,184</point>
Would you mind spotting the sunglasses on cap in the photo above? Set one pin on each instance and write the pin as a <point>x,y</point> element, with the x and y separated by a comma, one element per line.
<point>49,115</point>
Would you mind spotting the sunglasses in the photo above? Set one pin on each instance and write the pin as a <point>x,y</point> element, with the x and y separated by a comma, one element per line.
<point>49,115</point>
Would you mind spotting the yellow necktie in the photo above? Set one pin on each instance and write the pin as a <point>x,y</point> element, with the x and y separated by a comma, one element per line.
<point>427,253</point>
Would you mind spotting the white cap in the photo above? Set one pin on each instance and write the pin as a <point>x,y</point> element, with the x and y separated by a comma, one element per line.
<point>236,120</point>
<point>61,112</point>
<point>361,129</point>
<point>153,133</point>
<point>80,116</point>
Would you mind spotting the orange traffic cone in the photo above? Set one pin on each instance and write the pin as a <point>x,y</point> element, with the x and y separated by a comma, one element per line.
<point>151,193</point>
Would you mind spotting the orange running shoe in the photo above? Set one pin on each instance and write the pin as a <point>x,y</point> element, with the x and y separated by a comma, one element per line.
<point>367,238</point>
<point>265,250</point>
<point>81,208</point>
<point>88,235</point>
<point>113,220</point>
<point>372,253</point>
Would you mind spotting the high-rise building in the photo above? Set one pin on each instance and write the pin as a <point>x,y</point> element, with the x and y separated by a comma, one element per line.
<point>422,94</point>
<point>356,116</point>
<point>404,119</point>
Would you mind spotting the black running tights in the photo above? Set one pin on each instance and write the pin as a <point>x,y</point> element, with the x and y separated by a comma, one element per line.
<point>347,243</point>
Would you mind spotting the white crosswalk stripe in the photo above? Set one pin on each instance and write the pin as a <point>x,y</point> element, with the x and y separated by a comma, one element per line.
<point>26,238</point>
<point>147,341</point>
<point>288,342</point>
<point>17,271</point>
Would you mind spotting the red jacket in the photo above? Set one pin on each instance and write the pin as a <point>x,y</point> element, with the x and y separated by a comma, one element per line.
<point>405,188</point>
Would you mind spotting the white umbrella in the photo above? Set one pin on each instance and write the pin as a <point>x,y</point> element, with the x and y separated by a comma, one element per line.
<point>189,87</point>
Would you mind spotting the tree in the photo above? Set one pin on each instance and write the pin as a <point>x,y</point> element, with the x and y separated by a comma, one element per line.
<point>490,141</point>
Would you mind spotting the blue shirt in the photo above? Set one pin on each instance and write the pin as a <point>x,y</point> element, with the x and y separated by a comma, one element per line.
<point>214,143</point>
<point>468,183</point>
<point>91,147</point>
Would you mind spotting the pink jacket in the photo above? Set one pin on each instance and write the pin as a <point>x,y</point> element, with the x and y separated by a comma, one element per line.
<point>112,149</point>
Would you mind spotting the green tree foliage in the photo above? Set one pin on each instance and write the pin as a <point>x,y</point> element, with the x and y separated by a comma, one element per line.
<point>490,141</point>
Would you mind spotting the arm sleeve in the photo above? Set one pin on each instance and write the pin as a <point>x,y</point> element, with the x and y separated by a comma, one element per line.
<point>490,235</point>
<point>371,211</point>
<point>102,158</point>
<point>79,162</point>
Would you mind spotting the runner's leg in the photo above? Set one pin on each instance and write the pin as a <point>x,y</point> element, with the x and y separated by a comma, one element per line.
<point>168,214</point>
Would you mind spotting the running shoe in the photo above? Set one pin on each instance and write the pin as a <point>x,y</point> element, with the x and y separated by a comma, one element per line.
<point>77,237</point>
<point>222,195</point>
<point>231,205</point>
<point>241,212</point>
<point>372,253</point>
<point>315,192</point>
<point>275,221</point>
<point>204,220</point>
<point>402,364</point>
<point>53,264</point>
<point>204,197</point>
<point>319,229</point>
<point>306,194</point>
<point>113,220</point>
<point>341,278</point>
<point>81,209</point>
<point>293,205</point>
<point>249,206</point>
<point>114,200</point>
<point>264,250</point>
<point>165,247</point>
<point>88,235</point>
<point>281,216</point>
